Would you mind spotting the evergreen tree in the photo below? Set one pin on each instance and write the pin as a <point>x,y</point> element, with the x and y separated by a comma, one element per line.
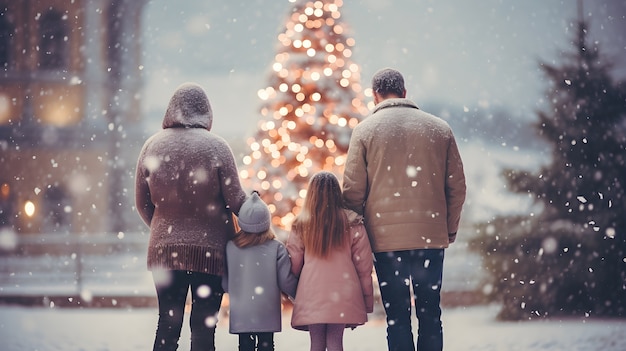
<point>571,258</point>
<point>309,108</point>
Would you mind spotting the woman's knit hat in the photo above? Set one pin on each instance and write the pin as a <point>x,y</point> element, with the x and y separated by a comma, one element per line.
<point>254,215</point>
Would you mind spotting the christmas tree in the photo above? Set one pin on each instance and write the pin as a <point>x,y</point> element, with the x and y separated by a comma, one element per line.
<point>571,258</point>
<point>313,101</point>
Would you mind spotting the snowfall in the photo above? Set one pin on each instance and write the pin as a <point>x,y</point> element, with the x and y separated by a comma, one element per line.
<point>466,328</point>
<point>51,327</point>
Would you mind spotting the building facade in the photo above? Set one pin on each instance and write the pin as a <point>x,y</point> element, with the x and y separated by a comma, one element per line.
<point>70,88</point>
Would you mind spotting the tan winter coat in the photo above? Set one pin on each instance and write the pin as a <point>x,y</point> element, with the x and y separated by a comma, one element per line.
<point>186,188</point>
<point>336,289</point>
<point>405,174</point>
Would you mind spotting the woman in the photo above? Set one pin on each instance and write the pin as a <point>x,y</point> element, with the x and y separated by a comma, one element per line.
<point>186,189</point>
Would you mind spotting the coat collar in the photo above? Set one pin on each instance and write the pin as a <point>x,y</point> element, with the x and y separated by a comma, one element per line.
<point>395,102</point>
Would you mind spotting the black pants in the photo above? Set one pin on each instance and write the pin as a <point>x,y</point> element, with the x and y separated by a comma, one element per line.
<point>423,269</point>
<point>256,342</point>
<point>206,297</point>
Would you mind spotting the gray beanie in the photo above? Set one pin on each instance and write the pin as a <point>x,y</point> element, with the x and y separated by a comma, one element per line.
<point>254,215</point>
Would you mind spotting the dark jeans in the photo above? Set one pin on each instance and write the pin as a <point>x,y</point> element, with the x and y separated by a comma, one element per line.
<point>206,298</point>
<point>256,341</point>
<point>424,270</point>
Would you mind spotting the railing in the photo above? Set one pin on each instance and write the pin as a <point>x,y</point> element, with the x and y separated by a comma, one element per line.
<point>47,267</point>
<point>110,270</point>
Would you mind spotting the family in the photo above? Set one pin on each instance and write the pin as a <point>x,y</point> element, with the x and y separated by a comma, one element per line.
<point>396,210</point>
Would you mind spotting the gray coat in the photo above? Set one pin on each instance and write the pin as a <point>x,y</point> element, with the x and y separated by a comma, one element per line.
<point>255,277</point>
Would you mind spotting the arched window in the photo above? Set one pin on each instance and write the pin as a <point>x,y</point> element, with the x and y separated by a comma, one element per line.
<point>6,33</point>
<point>52,41</point>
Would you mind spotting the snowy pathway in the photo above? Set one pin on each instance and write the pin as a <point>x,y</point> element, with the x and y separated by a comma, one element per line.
<point>471,328</point>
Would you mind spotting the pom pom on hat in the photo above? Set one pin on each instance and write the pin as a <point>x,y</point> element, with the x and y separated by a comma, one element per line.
<point>254,215</point>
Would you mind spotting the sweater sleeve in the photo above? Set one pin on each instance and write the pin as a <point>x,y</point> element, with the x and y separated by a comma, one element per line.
<point>143,201</point>
<point>364,263</point>
<point>233,193</point>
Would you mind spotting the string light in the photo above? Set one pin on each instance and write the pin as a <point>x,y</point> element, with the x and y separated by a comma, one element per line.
<point>308,112</point>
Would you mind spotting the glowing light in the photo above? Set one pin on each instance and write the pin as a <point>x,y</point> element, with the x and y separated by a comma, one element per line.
<point>302,193</point>
<point>294,103</point>
<point>263,95</point>
<point>29,208</point>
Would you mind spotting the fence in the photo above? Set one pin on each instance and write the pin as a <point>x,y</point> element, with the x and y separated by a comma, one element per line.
<point>105,270</point>
<point>72,269</point>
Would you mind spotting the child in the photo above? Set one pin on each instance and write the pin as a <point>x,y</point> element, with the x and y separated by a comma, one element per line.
<point>331,256</point>
<point>258,269</point>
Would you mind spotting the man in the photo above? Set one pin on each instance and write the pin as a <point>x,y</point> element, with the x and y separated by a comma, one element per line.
<point>405,175</point>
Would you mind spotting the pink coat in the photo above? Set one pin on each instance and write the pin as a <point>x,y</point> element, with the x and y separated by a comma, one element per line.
<point>337,289</point>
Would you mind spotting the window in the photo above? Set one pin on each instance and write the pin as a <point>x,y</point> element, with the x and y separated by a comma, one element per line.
<point>53,41</point>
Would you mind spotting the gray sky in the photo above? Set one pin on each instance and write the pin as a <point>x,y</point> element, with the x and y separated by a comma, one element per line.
<point>461,53</point>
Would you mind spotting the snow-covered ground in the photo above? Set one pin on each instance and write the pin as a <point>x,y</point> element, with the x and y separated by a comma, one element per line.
<point>468,328</point>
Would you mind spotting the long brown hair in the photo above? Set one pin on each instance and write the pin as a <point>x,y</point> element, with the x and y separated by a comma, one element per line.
<point>244,239</point>
<point>322,221</point>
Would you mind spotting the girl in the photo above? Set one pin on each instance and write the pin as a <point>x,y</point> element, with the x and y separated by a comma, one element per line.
<point>331,256</point>
<point>258,269</point>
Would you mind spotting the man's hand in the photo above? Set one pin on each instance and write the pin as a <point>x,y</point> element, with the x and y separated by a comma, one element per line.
<point>451,237</point>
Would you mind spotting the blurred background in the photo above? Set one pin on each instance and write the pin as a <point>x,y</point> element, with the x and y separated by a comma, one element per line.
<point>84,83</point>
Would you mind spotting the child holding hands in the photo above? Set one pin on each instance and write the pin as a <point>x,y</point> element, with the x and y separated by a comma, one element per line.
<point>258,270</point>
<point>331,256</point>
